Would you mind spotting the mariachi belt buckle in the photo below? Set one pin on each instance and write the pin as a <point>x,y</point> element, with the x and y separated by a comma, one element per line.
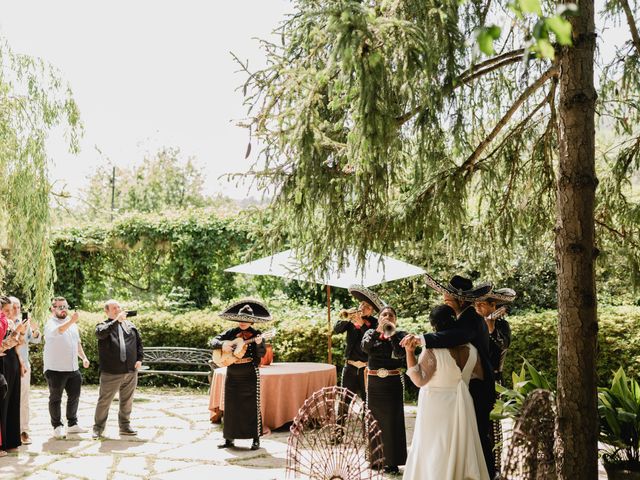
<point>382,373</point>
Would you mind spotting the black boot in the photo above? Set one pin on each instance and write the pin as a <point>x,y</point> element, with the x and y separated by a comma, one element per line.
<point>256,444</point>
<point>227,444</point>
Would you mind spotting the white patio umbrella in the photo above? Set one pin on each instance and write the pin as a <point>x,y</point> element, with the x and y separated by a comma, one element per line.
<point>376,269</point>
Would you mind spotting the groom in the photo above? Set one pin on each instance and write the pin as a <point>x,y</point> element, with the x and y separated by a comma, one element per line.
<point>459,294</point>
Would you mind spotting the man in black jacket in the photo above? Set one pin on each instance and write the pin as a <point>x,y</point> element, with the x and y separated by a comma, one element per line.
<point>120,356</point>
<point>471,328</point>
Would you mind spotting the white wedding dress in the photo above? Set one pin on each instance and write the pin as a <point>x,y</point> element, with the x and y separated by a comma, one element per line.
<point>446,444</point>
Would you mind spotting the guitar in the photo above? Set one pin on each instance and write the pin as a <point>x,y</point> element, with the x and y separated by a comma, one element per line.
<point>239,347</point>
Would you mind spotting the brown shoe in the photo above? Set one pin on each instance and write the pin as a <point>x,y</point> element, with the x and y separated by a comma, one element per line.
<point>25,439</point>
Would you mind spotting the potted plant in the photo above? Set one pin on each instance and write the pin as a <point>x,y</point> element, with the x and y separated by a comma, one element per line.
<point>510,401</point>
<point>619,412</point>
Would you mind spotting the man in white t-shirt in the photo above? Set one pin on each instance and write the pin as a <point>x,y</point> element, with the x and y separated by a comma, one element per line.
<point>62,347</point>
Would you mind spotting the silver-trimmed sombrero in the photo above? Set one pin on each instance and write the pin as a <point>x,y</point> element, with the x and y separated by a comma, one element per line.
<point>247,310</point>
<point>363,294</point>
<point>460,287</point>
<point>500,296</point>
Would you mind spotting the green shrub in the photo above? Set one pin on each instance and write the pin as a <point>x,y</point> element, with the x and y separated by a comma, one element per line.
<point>535,338</point>
<point>301,337</point>
<point>511,399</point>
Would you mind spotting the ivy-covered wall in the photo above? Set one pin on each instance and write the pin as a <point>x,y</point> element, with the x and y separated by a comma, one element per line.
<point>179,259</point>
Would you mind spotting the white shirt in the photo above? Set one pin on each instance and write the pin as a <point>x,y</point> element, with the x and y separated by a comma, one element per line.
<point>60,349</point>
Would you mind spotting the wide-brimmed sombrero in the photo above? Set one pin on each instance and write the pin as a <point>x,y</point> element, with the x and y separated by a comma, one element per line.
<point>363,294</point>
<point>501,296</point>
<point>247,310</point>
<point>460,287</point>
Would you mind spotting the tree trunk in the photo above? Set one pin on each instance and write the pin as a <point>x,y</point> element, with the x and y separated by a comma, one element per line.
<point>577,424</point>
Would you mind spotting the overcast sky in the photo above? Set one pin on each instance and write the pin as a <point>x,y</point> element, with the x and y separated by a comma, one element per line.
<point>146,74</point>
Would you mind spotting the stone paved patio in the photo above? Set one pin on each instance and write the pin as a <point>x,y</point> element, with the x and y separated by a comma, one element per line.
<point>175,442</point>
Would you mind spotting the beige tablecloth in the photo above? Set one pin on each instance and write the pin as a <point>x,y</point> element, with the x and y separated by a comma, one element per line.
<point>283,389</point>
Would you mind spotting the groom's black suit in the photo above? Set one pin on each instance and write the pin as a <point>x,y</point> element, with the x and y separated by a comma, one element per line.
<point>471,328</point>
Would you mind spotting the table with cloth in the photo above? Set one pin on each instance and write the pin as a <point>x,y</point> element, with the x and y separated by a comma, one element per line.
<point>283,389</point>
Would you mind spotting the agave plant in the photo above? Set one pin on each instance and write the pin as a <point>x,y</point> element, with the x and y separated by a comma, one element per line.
<point>510,400</point>
<point>619,411</point>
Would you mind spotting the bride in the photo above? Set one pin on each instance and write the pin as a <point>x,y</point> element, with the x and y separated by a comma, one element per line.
<point>446,444</point>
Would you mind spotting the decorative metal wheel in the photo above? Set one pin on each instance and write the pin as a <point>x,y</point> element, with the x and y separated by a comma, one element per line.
<point>531,454</point>
<point>335,437</point>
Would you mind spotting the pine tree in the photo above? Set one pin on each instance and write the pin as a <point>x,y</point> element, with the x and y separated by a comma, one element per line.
<point>380,123</point>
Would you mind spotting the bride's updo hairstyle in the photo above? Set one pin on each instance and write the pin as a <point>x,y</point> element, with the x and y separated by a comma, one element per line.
<point>442,317</point>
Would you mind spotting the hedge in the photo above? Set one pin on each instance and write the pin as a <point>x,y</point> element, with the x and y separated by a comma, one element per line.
<point>302,337</point>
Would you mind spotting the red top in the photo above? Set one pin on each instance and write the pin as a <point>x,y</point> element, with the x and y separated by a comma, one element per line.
<point>3,330</point>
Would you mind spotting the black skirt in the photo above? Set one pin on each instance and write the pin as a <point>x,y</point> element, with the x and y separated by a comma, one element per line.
<point>386,402</point>
<point>242,417</point>
<point>10,405</point>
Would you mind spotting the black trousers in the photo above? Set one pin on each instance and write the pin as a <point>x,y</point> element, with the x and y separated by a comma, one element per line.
<point>69,382</point>
<point>10,405</point>
<point>483,404</point>
<point>353,379</point>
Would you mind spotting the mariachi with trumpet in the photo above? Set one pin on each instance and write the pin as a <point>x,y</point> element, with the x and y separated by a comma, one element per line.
<point>354,322</point>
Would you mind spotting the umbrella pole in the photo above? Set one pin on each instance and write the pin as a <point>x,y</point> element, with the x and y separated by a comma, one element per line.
<point>330,331</point>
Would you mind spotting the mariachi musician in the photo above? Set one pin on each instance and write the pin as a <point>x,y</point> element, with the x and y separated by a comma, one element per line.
<point>500,339</point>
<point>242,418</point>
<point>355,323</point>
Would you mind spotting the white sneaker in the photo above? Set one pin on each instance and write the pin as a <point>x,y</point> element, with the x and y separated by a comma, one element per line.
<point>76,429</point>
<point>58,432</point>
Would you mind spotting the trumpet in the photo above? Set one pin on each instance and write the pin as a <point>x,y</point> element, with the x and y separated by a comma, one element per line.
<point>389,329</point>
<point>349,313</point>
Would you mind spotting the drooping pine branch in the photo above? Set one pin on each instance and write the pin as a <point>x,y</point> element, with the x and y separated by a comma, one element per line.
<point>471,160</point>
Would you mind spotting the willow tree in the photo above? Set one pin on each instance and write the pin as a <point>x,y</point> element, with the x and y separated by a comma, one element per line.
<point>380,123</point>
<point>33,101</point>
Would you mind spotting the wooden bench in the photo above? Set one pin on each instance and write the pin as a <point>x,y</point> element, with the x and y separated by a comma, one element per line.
<point>188,357</point>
